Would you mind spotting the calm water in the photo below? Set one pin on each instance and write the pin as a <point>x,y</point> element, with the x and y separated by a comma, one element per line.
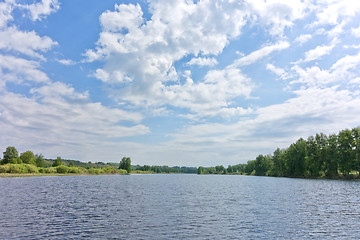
<point>178,207</point>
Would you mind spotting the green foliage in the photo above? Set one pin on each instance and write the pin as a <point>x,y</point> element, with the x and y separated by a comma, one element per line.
<point>28,157</point>
<point>109,170</point>
<point>39,160</point>
<point>62,169</point>
<point>200,170</point>
<point>125,164</point>
<point>48,170</point>
<point>11,155</point>
<point>96,171</point>
<point>18,168</point>
<point>57,162</point>
<point>121,171</point>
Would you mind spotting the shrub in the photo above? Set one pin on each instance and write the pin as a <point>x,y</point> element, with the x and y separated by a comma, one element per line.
<point>32,168</point>
<point>109,170</point>
<point>62,169</point>
<point>122,171</point>
<point>4,168</point>
<point>96,171</point>
<point>73,170</point>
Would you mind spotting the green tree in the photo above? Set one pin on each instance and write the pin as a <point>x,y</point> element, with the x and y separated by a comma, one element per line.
<point>71,164</point>
<point>313,158</point>
<point>356,147</point>
<point>332,156</point>
<point>11,155</point>
<point>262,165</point>
<point>200,170</point>
<point>28,157</point>
<point>250,167</point>
<point>220,169</point>
<point>125,163</point>
<point>345,151</point>
<point>279,163</point>
<point>295,159</point>
<point>57,162</point>
<point>39,160</point>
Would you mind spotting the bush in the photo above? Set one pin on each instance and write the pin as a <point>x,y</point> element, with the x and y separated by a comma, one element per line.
<point>4,168</point>
<point>48,170</point>
<point>109,170</point>
<point>62,169</point>
<point>17,168</point>
<point>96,171</point>
<point>122,171</point>
<point>31,168</point>
<point>73,170</point>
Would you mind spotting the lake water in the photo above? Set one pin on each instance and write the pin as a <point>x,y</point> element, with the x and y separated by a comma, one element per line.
<point>178,206</point>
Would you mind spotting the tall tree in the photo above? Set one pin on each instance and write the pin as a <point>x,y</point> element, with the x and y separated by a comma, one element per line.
<point>11,155</point>
<point>356,148</point>
<point>28,157</point>
<point>346,156</point>
<point>279,163</point>
<point>39,160</point>
<point>332,156</point>
<point>57,162</point>
<point>295,159</point>
<point>125,163</point>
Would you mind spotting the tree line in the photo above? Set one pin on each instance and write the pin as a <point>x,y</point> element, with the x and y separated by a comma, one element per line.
<point>28,162</point>
<point>331,156</point>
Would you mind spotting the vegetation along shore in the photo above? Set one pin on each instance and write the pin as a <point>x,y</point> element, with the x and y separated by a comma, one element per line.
<point>321,156</point>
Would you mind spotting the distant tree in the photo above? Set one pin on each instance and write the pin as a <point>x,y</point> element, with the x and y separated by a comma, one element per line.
<point>220,169</point>
<point>57,162</point>
<point>125,163</point>
<point>28,157</point>
<point>11,155</point>
<point>332,156</point>
<point>71,164</point>
<point>262,165</point>
<point>346,156</point>
<point>356,147</point>
<point>146,168</point>
<point>39,160</point>
<point>278,168</point>
<point>295,159</point>
<point>200,170</point>
<point>250,167</point>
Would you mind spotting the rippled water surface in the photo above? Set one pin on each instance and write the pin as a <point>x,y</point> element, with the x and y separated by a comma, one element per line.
<point>178,207</point>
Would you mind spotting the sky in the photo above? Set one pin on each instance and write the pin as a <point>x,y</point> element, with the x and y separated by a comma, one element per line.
<point>177,83</point>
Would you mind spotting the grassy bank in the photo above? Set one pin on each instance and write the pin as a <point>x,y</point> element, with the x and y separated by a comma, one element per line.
<point>16,170</point>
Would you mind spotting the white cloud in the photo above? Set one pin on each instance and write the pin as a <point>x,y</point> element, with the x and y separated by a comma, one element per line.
<point>261,53</point>
<point>67,62</point>
<point>57,117</point>
<point>42,9</point>
<point>303,38</point>
<point>277,14</point>
<point>356,32</point>
<point>6,8</point>
<point>333,12</point>
<point>28,43</point>
<point>17,70</point>
<point>127,17</point>
<point>145,54</point>
<point>318,52</point>
<point>341,72</point>
<point>278,71</point>
<point>203,61</point>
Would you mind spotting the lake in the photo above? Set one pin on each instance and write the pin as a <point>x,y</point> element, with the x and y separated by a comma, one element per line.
<point>178,206</point>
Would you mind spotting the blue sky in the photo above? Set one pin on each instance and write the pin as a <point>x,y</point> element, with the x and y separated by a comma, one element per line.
<point>179,83</point>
